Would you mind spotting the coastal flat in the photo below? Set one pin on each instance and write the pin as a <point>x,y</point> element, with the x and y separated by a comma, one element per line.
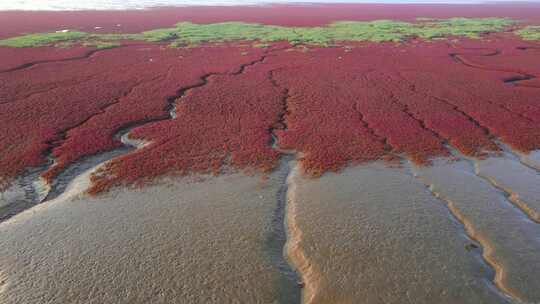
<point>347,153</point>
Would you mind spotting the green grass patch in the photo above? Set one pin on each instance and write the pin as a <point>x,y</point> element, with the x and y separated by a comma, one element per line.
<point>37,40</point>
<point>529,32</point>
<point>190,34</point>
<point>465,27</point>
<point>375,31</point>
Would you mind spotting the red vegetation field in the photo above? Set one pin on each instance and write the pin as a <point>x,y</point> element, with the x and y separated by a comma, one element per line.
<point>335,106</point>
<point>75,107</point>
<point>226,121</point>
<point>13,58</point>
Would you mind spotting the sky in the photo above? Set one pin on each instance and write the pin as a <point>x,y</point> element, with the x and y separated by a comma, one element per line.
<point>139,4</point>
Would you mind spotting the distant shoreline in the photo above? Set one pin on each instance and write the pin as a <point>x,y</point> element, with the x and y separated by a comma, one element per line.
<point>13,23</point>
<point>123,6</point>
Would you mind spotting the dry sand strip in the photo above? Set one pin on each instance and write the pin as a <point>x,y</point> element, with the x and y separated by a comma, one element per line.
<point>374,234</point>
<point>509,238</point>
<point>208,241</point>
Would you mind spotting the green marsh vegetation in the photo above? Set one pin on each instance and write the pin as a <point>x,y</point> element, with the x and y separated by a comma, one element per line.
<point>463,27</point>
<point>530,32</point>
<point>191,34</point>
<point>43,39</point>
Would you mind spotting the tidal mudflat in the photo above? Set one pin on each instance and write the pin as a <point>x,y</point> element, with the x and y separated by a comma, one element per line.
<point>271,155</point>
<point>509,237</point>
<point>440,233</point>
<point>377,234</point>
<point>214,241</point>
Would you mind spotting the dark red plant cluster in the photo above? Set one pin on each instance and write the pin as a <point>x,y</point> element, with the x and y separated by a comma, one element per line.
<point>364,84</point>
<point>13,58</point>
<point>320,119</point>
<point>370,89</point>
<point>75,108</point>
<point>228,120</point>
<point>339,106</point>
<point>38,104</point>
<point>481,90</point>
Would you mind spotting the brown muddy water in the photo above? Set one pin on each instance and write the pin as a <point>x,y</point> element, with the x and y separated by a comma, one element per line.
<point>211,241</point>
<point>457,232</point>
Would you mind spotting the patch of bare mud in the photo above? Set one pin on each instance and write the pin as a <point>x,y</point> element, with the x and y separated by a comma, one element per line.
<point>375,234</point>
<point>532,159</point>
<point>519,182</point>
<point>193,241</point>
<point>509,238</point>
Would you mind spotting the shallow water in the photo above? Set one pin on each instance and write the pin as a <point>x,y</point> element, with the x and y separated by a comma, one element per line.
<point>519,182</point>
<point>377,234</point>
<point>25,192</point>
<point>30,189</point>
<point>532,159</point>
<point>193,242</point>
<point>510,239</point>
